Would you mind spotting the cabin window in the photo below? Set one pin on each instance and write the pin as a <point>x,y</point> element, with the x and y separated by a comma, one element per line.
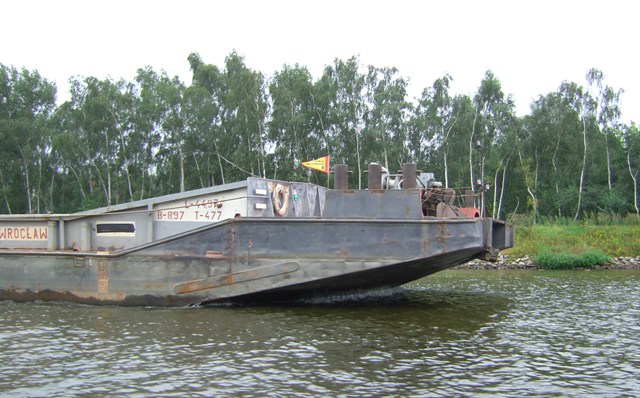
<point>116,229</point>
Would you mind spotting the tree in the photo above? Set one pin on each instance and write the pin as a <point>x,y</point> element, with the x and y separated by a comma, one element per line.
<point>150,108</point>
<point>345,118</point>
<point>385,131</point>
<point>238,114</point>
<point>494,115</point>
<point>99,120</point>
<point>203,121</point>
<point>631,136</point>
<point>26,102</point>
<point>583,105</point>
<point>291,129</point>
<point>433,123</point>
<point>243,111</point>
<point>117,141</point>
<point>161,125</point>
<point>605,107</point>
<point>547,139</point>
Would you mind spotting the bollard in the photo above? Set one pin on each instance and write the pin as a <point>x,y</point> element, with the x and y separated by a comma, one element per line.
<point>340,177</point>
<point>409,175</point>
<point>375,176</point>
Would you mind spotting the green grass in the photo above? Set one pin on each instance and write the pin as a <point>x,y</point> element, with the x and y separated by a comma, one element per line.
<point>575,245</point>
<point>586,259</point>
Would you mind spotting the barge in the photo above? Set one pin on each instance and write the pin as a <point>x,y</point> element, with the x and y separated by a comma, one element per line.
<point>256,240</point>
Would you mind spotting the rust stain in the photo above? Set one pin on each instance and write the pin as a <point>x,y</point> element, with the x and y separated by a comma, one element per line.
<point>187,287</point>
<point>235,278</point>
<point>425,245</point>
<point>153,286</point>
<point>103,276</point>
<point>443,234</point>
<point>103,286</point>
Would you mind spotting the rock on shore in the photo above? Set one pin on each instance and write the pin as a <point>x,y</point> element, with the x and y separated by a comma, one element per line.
<point>504,262</point>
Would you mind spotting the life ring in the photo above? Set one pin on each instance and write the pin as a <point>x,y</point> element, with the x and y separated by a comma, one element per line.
<point>280,200</point>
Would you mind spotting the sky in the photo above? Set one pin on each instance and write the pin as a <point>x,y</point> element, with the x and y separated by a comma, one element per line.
<point>530,46</point>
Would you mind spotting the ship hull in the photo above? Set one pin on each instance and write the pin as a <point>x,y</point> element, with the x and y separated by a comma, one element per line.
<point>252,259</point>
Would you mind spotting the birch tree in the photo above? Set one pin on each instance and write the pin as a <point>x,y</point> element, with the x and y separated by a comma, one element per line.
<point>631,137</point>
<point>606,110</point>
<point>386,118</point>
<point>345,119</point>
<point>26,102</point>
<point>290,128</point>
<point>435,120</point>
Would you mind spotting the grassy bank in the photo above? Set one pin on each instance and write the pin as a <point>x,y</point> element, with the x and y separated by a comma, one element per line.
<point>571,246</point>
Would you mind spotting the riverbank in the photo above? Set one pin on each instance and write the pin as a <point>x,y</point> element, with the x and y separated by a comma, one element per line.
<point>526,263</point>
<point>588,243</point>
<point>618,241</point>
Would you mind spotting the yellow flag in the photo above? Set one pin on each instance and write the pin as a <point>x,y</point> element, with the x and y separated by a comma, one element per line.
<point>320,164</point>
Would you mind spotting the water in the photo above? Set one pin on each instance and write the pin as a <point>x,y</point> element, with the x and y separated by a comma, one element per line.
<point>456,333</point>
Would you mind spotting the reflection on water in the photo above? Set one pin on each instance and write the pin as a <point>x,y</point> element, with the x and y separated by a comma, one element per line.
<point>511,333</point>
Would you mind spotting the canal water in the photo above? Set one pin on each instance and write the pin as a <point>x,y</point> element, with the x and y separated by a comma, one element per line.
<point>456,333</point>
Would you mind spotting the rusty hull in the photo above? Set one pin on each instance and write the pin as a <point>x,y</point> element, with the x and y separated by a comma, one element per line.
<point>241,241</point>
<point>250,258</point>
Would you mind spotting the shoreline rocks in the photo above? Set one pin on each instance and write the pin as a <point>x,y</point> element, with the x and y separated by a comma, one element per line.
<point>526,263</point>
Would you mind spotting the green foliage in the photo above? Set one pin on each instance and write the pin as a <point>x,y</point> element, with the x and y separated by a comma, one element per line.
<point>116,141</point>
<point>615,236</point>
<point>587,259</point>
<point>26,164</point>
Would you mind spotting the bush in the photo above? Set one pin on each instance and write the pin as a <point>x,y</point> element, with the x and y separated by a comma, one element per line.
<point>587,259</point>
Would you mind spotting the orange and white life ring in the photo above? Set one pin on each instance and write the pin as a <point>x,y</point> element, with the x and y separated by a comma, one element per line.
<point>280,200</point>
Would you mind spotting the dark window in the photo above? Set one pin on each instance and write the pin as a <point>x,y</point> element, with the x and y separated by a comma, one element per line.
<point>116,228</point>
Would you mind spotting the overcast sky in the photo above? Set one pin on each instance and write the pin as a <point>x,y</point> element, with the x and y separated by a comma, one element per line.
<point>531,46</point>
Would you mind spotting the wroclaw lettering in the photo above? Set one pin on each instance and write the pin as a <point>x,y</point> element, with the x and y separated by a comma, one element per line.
<point>23,233</point>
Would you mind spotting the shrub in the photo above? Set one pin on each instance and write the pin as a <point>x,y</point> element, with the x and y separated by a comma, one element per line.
<point>587,259</point>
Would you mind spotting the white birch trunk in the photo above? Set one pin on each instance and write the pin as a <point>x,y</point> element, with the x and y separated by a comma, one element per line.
<point>634,177</point>
<point>584,167</point>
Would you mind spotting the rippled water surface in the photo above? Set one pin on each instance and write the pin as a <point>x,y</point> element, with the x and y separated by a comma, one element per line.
<point>456,333</point>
